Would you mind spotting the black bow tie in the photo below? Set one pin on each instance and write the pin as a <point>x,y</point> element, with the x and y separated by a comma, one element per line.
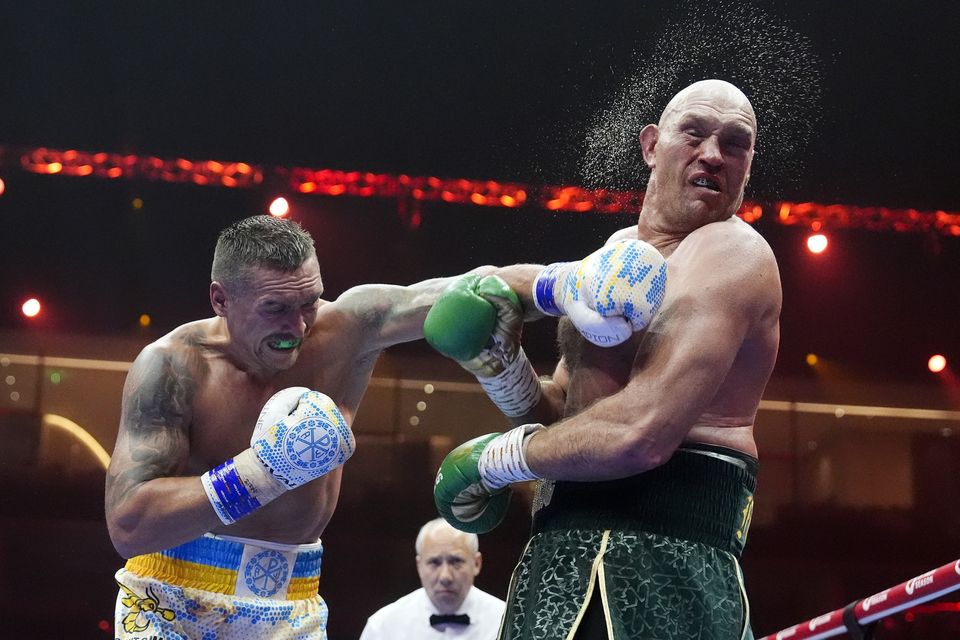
<point>449,618</point>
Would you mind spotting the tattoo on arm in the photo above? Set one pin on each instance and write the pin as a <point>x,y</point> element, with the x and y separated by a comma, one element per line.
<point>154,430</point>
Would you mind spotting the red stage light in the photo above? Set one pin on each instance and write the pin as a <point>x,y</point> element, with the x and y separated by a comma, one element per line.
<point>31,308</point>
<point>279,207</point>
<point>3,186</point>
<point>937,363</point>
<point>817,243</point>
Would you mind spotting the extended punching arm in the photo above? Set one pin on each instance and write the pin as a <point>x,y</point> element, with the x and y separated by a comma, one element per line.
<point>478,321</point>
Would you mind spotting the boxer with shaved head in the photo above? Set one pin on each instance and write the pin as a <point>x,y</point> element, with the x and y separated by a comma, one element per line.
<point>647,468</point>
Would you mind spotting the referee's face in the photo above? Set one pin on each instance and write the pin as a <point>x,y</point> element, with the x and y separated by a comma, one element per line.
<point>447,568</point>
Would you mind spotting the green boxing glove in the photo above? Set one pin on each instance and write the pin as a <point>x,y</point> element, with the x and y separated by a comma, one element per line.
<point>462,320</point>
<point>478,321</point>
<point>471,488</point>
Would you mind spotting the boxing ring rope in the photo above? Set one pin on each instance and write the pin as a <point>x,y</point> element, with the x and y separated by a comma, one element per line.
<point>860,613</point>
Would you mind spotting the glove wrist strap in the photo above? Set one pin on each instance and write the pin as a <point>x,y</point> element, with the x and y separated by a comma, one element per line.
<point>240,486</point>
<point>516,390</point>
<point>503,461</point>
<point>545,288</point>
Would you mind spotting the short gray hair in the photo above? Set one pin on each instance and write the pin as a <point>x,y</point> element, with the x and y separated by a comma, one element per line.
<point>473,542</point>
<point>259,241</point>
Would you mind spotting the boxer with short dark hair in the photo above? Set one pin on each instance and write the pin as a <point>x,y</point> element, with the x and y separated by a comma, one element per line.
<point>646,476</point>
<point>233,430</point>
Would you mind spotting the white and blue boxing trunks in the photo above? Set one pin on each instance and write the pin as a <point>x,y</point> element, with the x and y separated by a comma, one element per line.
<point>222,587</point>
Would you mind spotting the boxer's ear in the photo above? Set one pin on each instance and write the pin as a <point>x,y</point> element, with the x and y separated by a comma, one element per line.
<point>649,136</point>
<point>218,298</point>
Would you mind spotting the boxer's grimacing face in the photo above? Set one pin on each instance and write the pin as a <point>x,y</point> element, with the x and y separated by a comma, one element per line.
<point>274,312</point>
<point>701,152</point>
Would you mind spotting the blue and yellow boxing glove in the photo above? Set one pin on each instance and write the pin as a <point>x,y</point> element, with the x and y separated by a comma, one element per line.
<point>472,486</point>
<point>299,436</point>
<point>609,295</point>
<point>478,322</point>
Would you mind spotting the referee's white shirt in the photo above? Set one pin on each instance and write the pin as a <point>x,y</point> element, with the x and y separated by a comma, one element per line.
<point>409,619</point>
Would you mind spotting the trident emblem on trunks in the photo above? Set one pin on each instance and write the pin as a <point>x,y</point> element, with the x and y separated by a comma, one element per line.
<point>136,620</point>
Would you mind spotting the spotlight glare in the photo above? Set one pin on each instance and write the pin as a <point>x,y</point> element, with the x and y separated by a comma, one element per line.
<point>31,308</point>
<point>937,363</point>
<point>3,186</point>
<point>817,243</point>
<point>812,359</point>
<point>279,207</point>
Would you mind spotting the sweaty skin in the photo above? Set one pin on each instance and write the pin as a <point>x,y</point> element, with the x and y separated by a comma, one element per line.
<point>192,398</point>
<point>697,373</point>
<point>593,373</point>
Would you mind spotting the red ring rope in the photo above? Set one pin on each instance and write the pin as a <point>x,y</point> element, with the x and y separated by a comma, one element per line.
<point>926,586</point>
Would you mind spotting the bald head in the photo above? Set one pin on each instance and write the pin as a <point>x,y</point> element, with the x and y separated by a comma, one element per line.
<point>440,528</point>
<point>699,156</point>
<point>447,562</point>
<point>718,93</point>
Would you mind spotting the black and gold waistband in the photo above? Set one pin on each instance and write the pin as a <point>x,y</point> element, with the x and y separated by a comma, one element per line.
<point>704,493</point>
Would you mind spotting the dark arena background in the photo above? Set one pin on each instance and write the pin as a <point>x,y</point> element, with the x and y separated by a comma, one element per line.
<point>422,139</point>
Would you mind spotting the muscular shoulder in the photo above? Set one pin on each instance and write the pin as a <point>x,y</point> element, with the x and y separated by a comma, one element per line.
<point>731,247</point>
<point>727,260</point>
<point>183,347</point>
<point>171,367</point>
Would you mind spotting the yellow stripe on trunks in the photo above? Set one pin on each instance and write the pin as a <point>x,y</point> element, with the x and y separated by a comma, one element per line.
<point>184,573</point>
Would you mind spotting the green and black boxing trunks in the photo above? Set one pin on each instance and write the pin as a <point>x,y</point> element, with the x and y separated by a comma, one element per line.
<point>656,554</point>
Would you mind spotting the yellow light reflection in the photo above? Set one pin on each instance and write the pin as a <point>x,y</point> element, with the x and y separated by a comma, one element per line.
<point>81,434</point>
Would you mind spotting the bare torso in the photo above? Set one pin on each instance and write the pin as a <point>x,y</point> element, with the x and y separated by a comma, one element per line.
<point>192,399</point>
<point>598,372</point>
<point>228,401</point>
